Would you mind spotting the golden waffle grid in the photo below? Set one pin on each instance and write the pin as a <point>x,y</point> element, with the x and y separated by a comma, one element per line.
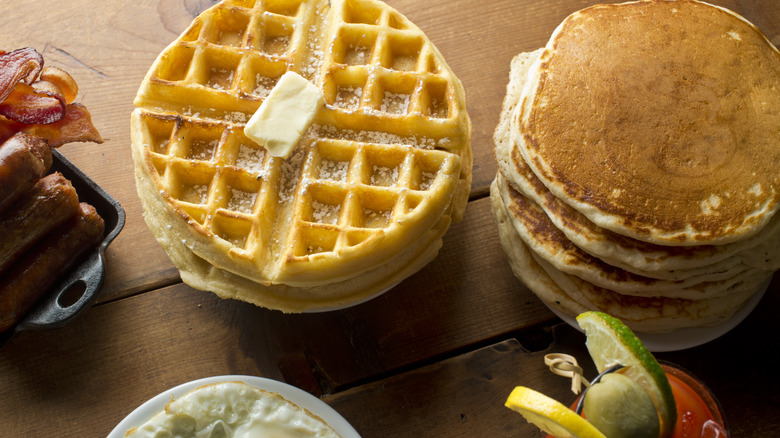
<point>383,75</point>
<point>347,184</point>
<point>377,71</point>
<point>226,182</point>
<point>231,57</point>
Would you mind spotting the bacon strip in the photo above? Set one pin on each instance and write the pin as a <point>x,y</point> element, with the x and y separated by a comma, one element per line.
<point>62,80</point>
<point>76,126</point>
<point>22,65</point>
<point>39,103</point>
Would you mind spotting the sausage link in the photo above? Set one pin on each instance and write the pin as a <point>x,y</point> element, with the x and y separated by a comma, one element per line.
<point>46,263</point>
<point>50,203</point>
<point>24,159</point>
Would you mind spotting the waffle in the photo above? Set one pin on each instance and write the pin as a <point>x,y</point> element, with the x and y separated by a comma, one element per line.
<point>385,162</point>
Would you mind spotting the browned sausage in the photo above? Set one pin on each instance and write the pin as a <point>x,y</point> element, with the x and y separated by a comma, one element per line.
<point>24,159</point>
<point>50,203</point>
<point>46,262</point>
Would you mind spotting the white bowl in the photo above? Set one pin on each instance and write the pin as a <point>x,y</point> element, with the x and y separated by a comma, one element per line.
<point>296,395</point>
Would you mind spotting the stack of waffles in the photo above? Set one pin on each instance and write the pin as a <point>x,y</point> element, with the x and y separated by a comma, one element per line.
<point>366,196</point>
<point>637,175</point>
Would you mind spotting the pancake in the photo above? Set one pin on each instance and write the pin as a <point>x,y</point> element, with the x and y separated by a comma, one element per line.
<point>571,295</point>
<point>551,245</point>
<point>765,256</point>
<point>635,256</point>
<point>683,148</point>
<point>614,193</point>
<point>660,314</point>
<point>523,264</point>
<point>652,260</point>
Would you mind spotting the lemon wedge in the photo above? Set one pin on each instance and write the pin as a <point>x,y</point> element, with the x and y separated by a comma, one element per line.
<point>549,415</point>
<point>609,341</point>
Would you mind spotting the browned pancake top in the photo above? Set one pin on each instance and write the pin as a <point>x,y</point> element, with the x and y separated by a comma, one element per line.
<point>664,117</point>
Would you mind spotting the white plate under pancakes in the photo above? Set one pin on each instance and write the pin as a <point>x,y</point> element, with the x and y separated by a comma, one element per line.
<point>689,337</point>
<point>295,395</point>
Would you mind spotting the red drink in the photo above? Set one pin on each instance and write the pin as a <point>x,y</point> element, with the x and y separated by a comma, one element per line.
<point>698,412</point>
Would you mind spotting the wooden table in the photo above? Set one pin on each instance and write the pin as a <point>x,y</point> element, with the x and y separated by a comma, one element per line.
<point>436,356</point>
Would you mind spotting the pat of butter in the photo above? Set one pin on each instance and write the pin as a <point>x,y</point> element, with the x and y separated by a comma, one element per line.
<point>285,114</point>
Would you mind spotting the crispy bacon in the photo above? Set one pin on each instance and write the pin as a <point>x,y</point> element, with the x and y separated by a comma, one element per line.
<point>76,126</point>
<point>21,65</point>
<point>8,128</point>
<point>40,101</point>
<point>62,80</point>
<point>27,97</point>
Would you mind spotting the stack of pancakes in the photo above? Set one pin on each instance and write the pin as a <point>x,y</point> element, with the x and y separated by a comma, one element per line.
<point>364,199</point>
<point>639,164</point>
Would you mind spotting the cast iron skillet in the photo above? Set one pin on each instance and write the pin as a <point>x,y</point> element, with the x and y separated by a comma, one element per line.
<point>78,289</point>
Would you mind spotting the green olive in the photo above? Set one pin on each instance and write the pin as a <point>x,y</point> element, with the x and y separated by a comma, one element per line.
<point>619,408</point>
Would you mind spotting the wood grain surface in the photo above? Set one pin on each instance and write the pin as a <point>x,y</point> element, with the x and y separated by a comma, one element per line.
<point>434,357</point>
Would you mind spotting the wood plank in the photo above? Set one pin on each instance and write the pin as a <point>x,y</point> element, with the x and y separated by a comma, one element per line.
<point>120,353</point>
<point>464,396</point>
<point>112,359</point>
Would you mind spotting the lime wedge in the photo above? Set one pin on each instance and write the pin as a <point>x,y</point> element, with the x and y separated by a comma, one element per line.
<point>549,415</point>
<point>609,341</point>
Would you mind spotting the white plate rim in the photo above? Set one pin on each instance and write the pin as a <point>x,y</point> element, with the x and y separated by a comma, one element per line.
<point>296,395</point>
<point>685,338</point>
